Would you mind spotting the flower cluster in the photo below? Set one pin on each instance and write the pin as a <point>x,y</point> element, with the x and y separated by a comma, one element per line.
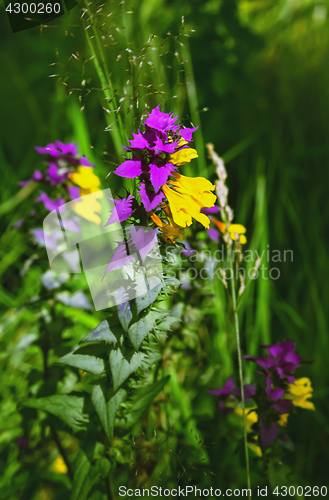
<point>73,177</point>
<point>157,154</point>
<point>281,394</point>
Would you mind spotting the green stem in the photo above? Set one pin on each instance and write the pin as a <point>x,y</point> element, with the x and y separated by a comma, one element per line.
<point>237,333</point>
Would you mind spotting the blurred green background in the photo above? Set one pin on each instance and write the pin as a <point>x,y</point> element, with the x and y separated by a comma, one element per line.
<point>259,80</point>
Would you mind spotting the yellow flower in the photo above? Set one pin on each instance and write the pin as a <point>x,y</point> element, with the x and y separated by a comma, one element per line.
<point>171,232</point>
<point>183,156</point>
<point>198,187</point>
<point>59,465</point>
<point>233,229</point>
<point>85,178</point>
<point>89,183</point>
<point>188,197</point>
<point>251,419</point>
<point>299,392</point>
<point>88,207</point>
<point>183,208</point>
<point>283,419</point>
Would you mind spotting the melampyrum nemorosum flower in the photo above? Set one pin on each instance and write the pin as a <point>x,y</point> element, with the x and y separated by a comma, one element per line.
<point>298,392</point>
<point>157,154</point>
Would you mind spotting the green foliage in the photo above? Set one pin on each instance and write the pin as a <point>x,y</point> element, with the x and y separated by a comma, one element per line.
<point>68,408</point>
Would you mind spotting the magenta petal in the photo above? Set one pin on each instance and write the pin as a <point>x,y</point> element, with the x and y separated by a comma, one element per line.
<point>159,175</point>
<point>74,192</point>
<point>120,258</point>
<point>150,199</point>
<point>249,390</point>
<point>186,133</point>
<point>225,390</point>
<point>165,148</point>
<point>210,210</point>
<point>213,234</point>
<point>161,121</point>
<point>50,204</point>
<point>283,406</point>
<point>122,211</point>
<point>139,142</point>
<point>268,434</point>
<point>143,240</point>
<point>129,169</point>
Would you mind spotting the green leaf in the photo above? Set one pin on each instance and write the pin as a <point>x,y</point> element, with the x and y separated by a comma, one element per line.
<point>142,399</point>
<point>125,315</point>
<point>67,408</point>
<point>106,404</point>
<point>87,362</point>
<point>138,331</point>
<point>101,333</point>
<point>163,320</point>
<point>121,368</point>
<point>84,477</point>
<point>144,301</point>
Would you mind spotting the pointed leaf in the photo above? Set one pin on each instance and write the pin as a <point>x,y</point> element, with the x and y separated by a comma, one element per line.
<point>138,331</point>
<point>121,368</point>
<point>144,301</point>
<point>67,408</point>
<point>101,333</point>
<point>106,404</point>
<point>125,315</point>
<point>88,363</point>
<point>84,477</point>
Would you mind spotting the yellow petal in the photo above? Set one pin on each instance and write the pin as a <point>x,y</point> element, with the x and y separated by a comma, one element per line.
<point>283,419</point>
<point>183,156</point>
<point>59,465</point>
<point>237,228</point>
<point>243,239</point>
<point>85,177</point>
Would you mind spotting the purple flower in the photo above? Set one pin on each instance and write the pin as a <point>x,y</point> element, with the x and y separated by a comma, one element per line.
<point>281,360</point>
<point>22,442</point>
<point>50,204</point>
<point>119,259</point>
<point>37,176</point>
<point>68,152</point>
<point>124,208</point>
<point>143,240</point>
<point>268,434</point>
<point>186,133</point>
<point>228,390</point>
<point>213,234</point>
<point>74,193</point>
<point>163,122</point>
<point>56,175</point>
<point>210,211</point>
<point>130,168</point>
<point>149,198</point>
<point>159,175</point>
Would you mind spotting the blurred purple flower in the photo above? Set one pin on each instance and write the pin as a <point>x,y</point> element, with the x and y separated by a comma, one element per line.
<point>68,152</point>
<point>22,442</point>
<point>281,360</point>
<point>228,390</point>
<point>50,204</point>
<point>37,176</point>
<point>268,434</point>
